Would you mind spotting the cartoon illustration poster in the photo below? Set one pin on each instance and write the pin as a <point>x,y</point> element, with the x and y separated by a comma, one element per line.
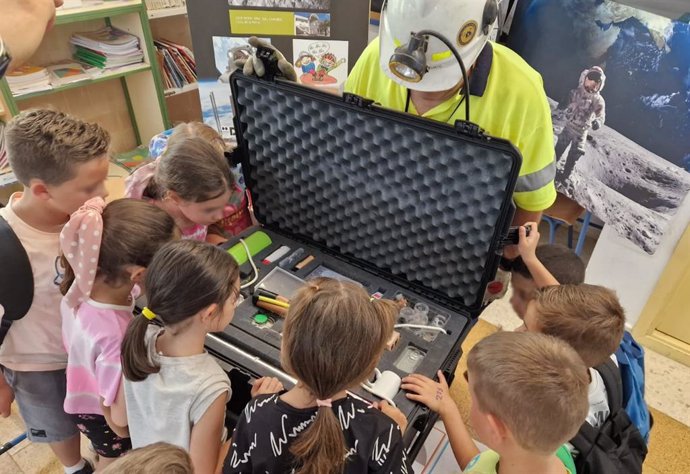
<point>320,62</point>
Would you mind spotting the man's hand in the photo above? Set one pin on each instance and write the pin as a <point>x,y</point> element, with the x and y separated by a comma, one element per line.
<point>435,395</point>
<point>596,125</point>
<point>255,67</point>
<point>6,398</point>
<point>393,413</point>
<point>265,386</point>
<point>528,243</point>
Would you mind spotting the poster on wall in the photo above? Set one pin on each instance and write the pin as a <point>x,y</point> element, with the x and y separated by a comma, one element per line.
<point>214,90</point>
<point>620,103</point>
<point>220,30</point>
<point>320,63</point>
<point>312,24</point>
<point>304,4</point>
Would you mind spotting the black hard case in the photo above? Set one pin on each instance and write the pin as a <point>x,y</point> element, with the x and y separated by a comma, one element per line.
<point>394,201</point>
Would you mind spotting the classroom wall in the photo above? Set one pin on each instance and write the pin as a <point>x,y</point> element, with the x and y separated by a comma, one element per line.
<point>620,265</point>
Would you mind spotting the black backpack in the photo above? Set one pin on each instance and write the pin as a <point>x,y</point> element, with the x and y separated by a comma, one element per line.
<point>617,446</point>
<point>16,278</point>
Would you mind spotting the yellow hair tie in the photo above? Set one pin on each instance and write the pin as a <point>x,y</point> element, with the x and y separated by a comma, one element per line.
<point>148,314</point>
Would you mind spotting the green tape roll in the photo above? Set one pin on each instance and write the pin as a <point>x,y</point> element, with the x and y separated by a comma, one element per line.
<point>256,242</point>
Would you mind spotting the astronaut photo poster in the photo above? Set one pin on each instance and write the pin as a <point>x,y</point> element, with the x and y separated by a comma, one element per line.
<point>620,102</point>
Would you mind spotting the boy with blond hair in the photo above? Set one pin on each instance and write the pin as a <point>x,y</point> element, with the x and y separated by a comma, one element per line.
<point>61,162</point>
<point>529,397</point>
<point>589,318</point>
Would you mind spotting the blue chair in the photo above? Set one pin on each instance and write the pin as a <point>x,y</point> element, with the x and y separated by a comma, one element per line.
<point>555,223</point>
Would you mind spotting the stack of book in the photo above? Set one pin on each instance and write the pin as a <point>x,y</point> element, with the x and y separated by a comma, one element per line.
<point>160,4</point>
<point>176,63</point>
<point>107,48</point>
<point>6,174</point>
<point>67,4</point>
<point>27,79</point>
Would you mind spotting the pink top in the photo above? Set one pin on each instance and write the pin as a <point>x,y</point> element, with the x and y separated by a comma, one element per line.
<point>197,232</point>
<point>92,335</point>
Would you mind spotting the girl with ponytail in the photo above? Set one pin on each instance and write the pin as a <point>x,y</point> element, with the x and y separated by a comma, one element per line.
<point>175,391</point>
<point>105,252</point>
<point>333,338</point>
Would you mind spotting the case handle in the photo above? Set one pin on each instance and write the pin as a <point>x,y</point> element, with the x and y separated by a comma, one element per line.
<point>470,129</point>
<point>359,101</point>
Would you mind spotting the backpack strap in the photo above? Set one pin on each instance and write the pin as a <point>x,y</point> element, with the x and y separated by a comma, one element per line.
<point>16,276</point>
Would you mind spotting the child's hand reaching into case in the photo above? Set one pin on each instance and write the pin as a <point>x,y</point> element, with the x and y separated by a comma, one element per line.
<point>528,243</point>
<point>435,395</point>
<point>394,413</point>
<point>265,386</point>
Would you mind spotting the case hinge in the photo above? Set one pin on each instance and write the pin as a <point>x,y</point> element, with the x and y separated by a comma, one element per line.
<point>469,129</point>
<point>359,101</point>
<point>234,156</point>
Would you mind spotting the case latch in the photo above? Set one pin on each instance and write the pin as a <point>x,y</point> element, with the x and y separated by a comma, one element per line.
<point>359,101</point>
<point>469,129</point>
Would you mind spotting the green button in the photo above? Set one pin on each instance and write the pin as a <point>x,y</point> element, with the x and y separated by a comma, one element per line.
<point>260,319</point>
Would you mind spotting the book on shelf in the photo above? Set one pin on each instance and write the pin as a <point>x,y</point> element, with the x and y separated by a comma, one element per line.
<point>27,79</point>
<point>162,4</point>
<point>6,174</point>
<point>67,73</point>
<point>67,4</point>
<point>176,63</point>
<point>107,48</point>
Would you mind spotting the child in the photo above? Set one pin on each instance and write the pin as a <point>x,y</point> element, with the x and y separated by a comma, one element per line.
<point>538,266</point>
<point>157,458</point>
<point>174,390</point>
<point>236,215</point>
<point>191,181</point>
<point>332,340</point>
<point>592,321</point>
<point>105,252</point>
<point>61,162</point>
<point>586,110</point>
<point>529,396</point>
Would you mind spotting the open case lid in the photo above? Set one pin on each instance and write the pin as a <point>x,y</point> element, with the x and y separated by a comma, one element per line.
<point>418,202</point>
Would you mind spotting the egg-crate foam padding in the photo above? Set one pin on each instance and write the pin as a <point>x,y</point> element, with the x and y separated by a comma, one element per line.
<point>415,200</point>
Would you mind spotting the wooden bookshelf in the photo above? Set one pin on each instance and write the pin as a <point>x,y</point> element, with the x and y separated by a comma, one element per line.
<point>129,101</point>
<point>171,24</point>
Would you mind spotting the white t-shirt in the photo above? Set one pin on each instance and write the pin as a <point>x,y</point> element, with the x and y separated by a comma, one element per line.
<point>165,406</point>
<point>598,402</point>
<point>598,398</point>
<point>34,342</point>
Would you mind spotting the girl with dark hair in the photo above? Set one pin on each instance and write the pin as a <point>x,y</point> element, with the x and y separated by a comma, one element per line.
<point>333,338</point>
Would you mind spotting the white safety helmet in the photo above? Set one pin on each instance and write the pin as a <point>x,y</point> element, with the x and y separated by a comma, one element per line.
<point>467,24</point>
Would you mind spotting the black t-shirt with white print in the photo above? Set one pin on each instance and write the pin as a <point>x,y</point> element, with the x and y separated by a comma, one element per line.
<point>268,427</point>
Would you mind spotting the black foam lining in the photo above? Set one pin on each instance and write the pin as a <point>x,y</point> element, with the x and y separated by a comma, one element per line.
<point>405,196</point>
